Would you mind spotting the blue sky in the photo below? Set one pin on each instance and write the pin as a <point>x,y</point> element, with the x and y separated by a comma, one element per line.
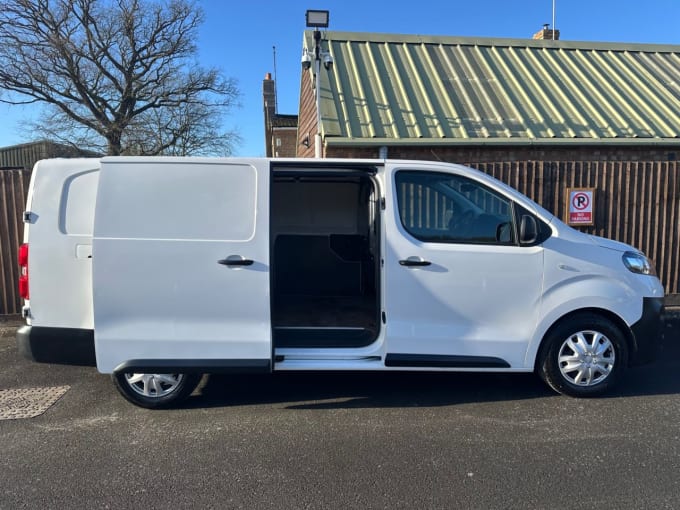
<point>238,37</point>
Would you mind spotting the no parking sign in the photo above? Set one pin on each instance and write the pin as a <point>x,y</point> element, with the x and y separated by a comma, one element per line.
<point>581,206</point>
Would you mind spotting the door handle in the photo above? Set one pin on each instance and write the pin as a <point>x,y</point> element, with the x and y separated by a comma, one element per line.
<point>235,262</point>
<point>414,262</point>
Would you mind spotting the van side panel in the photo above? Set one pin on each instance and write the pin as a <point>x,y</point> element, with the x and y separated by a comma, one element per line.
<point>181,264</point>
<point>59,234</point>
<point>581,275</point>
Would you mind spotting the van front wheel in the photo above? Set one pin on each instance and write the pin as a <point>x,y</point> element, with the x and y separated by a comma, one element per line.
<point>155,391</point>
<point>583,356</point>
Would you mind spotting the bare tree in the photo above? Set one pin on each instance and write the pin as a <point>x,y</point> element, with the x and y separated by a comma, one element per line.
<point>115,75</point>
<point>174,132</point>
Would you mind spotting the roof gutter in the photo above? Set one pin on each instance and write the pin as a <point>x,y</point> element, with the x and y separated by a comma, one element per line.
<point>458,142</point>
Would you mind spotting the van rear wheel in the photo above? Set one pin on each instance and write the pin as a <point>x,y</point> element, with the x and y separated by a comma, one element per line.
<point>155,391</point>
<point>583,356</point>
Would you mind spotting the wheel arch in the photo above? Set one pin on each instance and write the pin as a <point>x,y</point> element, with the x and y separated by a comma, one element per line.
<point>602,312</point>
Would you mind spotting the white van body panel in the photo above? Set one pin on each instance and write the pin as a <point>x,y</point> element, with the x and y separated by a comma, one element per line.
<point>61,203</point>
<point>585,272</point>
<point>161,227</point>
<point>129,247</point>
<point>472,300</point>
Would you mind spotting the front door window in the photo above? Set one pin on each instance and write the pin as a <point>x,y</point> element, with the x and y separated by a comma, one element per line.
<point>438,207</point>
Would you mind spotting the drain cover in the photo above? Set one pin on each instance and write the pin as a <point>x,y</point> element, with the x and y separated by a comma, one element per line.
<point>28,402</point>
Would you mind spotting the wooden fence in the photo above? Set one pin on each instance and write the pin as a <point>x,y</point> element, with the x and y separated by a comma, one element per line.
<point>13,189</point>
<point>635,202</point>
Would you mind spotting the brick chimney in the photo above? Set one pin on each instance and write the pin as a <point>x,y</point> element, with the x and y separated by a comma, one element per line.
<point>547,33</point>
<point>269,103</point>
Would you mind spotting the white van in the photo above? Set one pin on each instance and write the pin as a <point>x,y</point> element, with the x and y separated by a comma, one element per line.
<point>162,269</point>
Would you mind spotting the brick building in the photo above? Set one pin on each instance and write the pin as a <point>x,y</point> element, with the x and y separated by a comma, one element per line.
<point>541,114</point>
<point>25,155</point>
<point>470,99</point>
<point>280,131</point>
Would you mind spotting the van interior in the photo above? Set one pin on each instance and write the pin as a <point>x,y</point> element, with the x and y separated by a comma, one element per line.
<point>325,247</point>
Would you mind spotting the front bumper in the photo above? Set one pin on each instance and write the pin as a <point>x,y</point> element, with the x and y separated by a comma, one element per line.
<point>67,346</point>
<point>647,332</point>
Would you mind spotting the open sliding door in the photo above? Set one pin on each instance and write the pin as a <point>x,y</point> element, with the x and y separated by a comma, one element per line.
<point>181,265</point>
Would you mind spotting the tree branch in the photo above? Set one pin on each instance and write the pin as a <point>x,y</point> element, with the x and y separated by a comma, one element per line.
<point>109,68</point>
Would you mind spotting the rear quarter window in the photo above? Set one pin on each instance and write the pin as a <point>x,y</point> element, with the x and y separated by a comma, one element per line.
<point>76,211</point>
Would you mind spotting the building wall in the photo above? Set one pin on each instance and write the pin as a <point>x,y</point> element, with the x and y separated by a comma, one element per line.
<point>28,154</point>
<point>284,142</point>
<point>483,154</point>
<point>307,118</point>
<point>280,131</point>
<point>269,107</point>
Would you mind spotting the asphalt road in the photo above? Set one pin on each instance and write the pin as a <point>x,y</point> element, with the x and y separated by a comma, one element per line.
<point>346,441</point>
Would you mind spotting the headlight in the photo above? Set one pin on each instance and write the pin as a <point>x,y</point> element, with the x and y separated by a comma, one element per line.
<point>638,263</point>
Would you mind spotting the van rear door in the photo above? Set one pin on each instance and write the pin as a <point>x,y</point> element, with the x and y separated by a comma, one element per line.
<point>181,265</point>
<point>58,229</point>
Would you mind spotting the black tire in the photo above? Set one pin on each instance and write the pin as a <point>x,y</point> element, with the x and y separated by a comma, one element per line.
<point>155,391</point>
<point>583,356</point>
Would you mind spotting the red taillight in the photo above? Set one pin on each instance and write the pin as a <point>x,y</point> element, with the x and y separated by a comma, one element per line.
<point>23,255</point>
<point>23,265</point>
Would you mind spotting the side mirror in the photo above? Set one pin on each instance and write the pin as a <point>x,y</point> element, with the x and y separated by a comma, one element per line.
<point>528,229</point>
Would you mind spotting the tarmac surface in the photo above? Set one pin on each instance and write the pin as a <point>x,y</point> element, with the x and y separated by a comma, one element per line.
<point>345,440</point>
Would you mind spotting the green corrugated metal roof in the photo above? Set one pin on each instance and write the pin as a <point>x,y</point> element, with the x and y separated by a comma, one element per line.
<point>388,88</point>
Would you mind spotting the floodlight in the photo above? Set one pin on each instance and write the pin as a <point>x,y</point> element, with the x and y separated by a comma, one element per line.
<point>317,19</point>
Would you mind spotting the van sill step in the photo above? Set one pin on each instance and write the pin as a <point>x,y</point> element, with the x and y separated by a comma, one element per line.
<point>325,337</point>
<point>444,361</point>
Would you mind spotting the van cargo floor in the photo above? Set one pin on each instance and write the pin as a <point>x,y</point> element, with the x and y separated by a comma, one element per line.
<point>324,321</point>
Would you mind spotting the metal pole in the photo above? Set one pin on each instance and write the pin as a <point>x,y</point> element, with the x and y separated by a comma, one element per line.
<point>317,78</point>
<point>553,24</point>
<point>276,99</point>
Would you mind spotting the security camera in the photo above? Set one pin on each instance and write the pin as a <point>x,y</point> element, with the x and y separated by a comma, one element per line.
<point>306,60</point>
<point>328,61</point>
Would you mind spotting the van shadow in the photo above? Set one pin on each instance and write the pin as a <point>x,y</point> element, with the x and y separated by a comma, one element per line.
<point>348,390</point>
